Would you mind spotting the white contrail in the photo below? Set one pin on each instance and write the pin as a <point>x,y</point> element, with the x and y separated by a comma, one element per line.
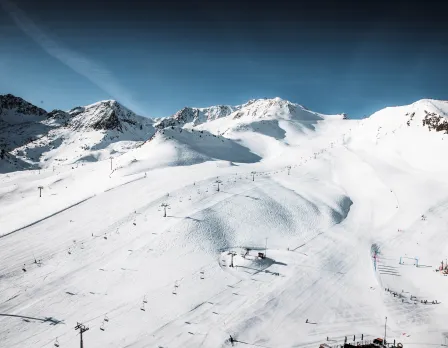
<point>96,73</point>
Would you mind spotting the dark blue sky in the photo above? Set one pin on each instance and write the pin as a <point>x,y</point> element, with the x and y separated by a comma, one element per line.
<point>158,56</point>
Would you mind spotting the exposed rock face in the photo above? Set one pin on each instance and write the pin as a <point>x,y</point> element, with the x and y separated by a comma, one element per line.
<point>29,136</point>
<point>9,102</point>
<point>105,115</point>
<point>195,116</point>
<point>108,122</point>
<point>57,114</point>
<point>435,122</point>
<point>257,108</point>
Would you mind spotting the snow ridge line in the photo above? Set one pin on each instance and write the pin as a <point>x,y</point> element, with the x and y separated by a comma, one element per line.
<point>47,217</point>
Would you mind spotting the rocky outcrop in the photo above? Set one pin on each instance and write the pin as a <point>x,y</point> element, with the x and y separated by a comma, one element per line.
<point>195,116</point>
<point>435,122</point>
<point>18,105</point>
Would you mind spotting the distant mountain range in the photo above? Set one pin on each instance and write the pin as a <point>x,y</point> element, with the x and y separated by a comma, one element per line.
<point>31,137</point>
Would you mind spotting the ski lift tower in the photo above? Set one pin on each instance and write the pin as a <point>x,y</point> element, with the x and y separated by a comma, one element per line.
<point>232,254</point>
<point>218,182</point>
<point>82,328</point>
<point>165,206</point>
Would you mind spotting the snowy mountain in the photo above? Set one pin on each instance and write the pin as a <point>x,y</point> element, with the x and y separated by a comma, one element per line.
<point>257,108</point>
<point>415,133</point>
<point>254,132</point>
<point>20,123</point>
<point>35,138</point>
<point>97,131</point>
<point>14,110</point>
<point>274,224</point>
<point>106,115</point>
<point>196,116</point>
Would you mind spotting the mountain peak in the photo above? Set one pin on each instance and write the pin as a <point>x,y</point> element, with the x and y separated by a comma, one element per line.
<point>195,116</point>
<point>106,103</point>
<point>102,115</point>
<point>15,109</point>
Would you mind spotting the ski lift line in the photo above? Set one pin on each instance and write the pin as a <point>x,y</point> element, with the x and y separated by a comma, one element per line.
<point>90,326</point>
<point>186,312</point>
<point>121,306</point>
<point>124,220</point>
<point>47,217</point>
<point>111,318</point>
<point>113,226</point>
<point>57,339</point>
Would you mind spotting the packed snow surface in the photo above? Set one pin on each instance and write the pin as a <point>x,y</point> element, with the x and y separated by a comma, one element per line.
<point>330,226</point>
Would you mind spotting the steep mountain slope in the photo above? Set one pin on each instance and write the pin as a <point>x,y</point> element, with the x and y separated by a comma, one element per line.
<point>196,116</point>
<point>270,128</point>
<point>106,128</point>
<point>257,108</point>
<point>15,110</point>
<point>20,122</point>
<point>413,133</point>
<point>92,133</point>
<point>36,138</point>
<point>273,127</point>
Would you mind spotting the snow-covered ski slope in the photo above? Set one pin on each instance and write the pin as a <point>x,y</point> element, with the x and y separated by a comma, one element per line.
<point>107,257</point>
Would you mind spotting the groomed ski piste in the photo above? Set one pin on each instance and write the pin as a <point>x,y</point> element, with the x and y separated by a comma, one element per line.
<point>332,205</point>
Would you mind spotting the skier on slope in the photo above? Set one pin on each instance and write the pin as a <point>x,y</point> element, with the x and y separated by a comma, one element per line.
<point>231,339</point>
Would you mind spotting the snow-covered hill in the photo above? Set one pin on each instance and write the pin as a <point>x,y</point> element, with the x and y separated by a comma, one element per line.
<point>413,134</point>
<point>264,128</point>
<point>351,216</point>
